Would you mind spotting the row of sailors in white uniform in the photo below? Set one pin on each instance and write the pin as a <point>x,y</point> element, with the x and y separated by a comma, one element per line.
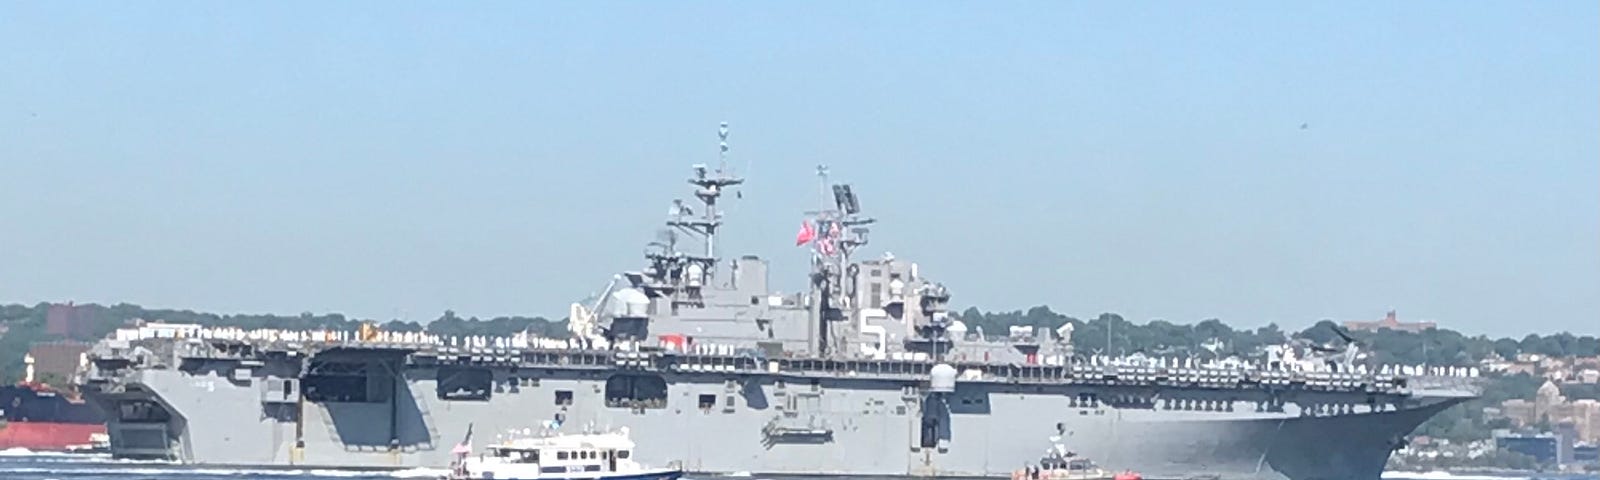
<point>525,340</point>
<point>271,335</point>
<point>1306,366</point>
<point>521,340</point>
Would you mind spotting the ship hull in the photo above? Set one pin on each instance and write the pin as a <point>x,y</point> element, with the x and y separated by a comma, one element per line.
<point>722,423</point>
<point>39,418</point>
<point>48,436</point>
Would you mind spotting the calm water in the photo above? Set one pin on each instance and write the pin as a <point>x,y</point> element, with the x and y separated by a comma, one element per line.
<point>29,466</point>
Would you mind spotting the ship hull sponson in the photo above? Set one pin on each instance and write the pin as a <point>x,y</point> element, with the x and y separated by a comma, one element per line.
<point>723,423</point>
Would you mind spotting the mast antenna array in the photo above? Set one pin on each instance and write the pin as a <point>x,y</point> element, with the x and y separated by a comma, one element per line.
<point>710,188</point>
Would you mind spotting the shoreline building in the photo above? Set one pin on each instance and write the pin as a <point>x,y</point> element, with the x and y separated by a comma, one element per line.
<point>1391,323</point>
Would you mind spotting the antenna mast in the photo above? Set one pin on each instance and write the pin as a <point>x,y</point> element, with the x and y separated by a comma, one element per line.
<point>710,189</point>
<point>722,143</point>
<point>822,189</point>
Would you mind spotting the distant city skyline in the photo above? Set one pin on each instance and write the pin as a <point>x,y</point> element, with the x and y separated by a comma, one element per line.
<point>1249,161</point>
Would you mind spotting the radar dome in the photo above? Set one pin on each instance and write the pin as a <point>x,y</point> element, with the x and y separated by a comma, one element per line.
<point>942,378</point>
<point>630,303</point>
<point>957,330</point>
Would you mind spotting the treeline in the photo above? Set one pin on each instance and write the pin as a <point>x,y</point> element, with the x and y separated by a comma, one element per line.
<point>1158,337</point>
<point>25,325</point>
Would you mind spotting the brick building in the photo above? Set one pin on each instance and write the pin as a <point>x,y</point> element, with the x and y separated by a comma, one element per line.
<point>1391,323</point>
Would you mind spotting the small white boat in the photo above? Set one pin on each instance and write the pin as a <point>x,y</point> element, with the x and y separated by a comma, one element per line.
<point>1058,463</point>
<point>549,456</point>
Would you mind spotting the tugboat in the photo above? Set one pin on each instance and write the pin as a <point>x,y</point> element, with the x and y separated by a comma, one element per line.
<point>552,456</point>
<point>1058,463</point>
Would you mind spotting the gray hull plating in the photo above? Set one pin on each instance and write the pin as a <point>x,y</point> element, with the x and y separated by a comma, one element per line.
<point>870,427</point>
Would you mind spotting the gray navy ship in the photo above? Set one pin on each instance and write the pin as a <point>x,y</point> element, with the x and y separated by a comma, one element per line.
<point>864,373</point>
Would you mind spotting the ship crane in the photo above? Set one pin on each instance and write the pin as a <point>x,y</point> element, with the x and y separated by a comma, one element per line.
<point>585,322</point>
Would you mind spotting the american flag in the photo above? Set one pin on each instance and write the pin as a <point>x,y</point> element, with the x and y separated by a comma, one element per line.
<point>828,243</point>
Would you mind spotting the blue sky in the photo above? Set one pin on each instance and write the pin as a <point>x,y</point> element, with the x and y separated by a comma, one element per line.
<point>399,159</point>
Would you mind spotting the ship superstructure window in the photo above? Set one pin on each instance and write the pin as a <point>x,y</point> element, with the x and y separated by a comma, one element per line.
<point>562,455</point>
<point>563,397</point>
<point>141,411</point>
<point>464,383</point>
<point>636,391</point>
<point>349,380</point>
<point>707,401</point>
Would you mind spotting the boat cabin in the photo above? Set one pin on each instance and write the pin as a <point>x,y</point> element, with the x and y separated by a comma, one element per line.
<point>563,460</point>
<point>560,456</point>
<point>1069,464</point>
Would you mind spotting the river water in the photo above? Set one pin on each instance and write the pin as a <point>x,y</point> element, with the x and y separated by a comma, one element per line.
<point>21,465</point>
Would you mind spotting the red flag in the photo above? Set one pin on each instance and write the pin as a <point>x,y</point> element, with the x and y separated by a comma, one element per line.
<point>805,235</point>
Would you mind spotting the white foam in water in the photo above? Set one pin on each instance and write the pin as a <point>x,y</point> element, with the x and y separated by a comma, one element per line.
<point>1440,475</point>
<point>16,452</point>
<point>420,473</point>
<point>229,472</point>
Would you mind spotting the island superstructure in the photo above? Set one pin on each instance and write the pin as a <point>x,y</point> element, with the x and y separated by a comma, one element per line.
<point>864,373</point>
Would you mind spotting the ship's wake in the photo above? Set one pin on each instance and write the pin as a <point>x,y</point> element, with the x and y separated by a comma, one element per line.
<point>23,464</point>
<point>1441,475</point>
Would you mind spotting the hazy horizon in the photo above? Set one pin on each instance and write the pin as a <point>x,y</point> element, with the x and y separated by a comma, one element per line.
<point>1287,328</point>
<point>1253,162</point>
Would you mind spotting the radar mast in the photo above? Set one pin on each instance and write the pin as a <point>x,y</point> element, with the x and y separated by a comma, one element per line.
<point>679,275</point>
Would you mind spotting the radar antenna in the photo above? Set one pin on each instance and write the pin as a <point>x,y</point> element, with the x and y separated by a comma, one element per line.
<point>678,275</point>
<point>711,186</point>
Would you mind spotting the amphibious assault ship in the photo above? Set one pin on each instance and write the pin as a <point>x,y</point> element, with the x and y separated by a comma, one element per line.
<point>863,373</point>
